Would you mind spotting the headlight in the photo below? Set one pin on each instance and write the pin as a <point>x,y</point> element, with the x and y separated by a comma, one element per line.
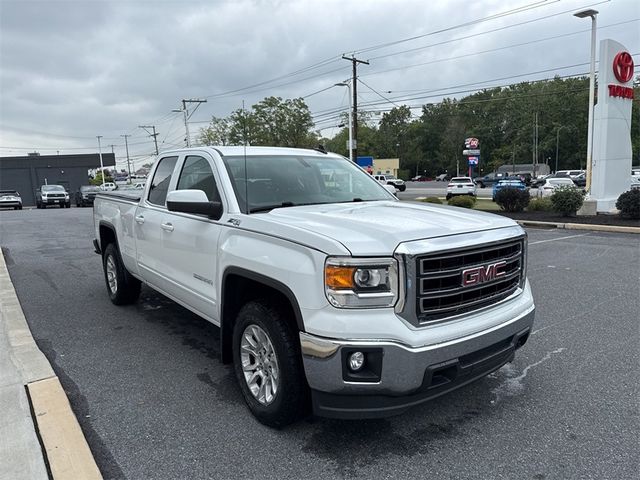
<point>361,283</point>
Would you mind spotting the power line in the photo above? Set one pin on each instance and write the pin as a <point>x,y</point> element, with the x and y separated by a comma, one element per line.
<point>506,13</point>
<point>498,29</point>
<point>506,47</point>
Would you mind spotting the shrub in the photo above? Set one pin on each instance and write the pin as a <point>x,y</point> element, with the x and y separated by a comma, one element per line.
<point>432,200</point>
<point>512,199</point>
<point>566,200</point>
<point>629,204</point>
<point>464,201</point>
<point>540,205</point>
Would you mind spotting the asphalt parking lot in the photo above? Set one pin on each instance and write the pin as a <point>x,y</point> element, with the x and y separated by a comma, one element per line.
<point>155,402</point>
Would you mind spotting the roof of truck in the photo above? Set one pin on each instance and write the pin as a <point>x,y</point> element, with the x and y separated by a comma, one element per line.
<point>240,150</point>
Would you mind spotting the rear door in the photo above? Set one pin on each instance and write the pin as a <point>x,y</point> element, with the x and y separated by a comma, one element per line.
<point>148,220</point>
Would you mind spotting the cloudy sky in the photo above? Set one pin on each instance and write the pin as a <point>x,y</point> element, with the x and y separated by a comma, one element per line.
<point>71,70</point>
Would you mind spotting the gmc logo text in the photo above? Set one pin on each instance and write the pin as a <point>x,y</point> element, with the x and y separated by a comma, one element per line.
<point>482,274</point>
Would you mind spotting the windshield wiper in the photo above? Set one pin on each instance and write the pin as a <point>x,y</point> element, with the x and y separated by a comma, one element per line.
<point>291,204</point>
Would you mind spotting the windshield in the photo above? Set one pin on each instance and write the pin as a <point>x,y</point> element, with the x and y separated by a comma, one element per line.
<point>288,180</point>
<point>53,188</point>
<point>90,188</point>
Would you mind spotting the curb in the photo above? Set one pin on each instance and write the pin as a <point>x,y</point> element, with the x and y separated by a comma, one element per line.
<point>579,226</point>
<point>63,449</point>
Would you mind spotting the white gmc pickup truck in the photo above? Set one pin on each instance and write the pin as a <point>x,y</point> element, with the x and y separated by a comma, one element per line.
<point>331,295</point>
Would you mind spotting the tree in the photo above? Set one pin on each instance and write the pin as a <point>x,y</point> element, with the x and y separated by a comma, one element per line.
<point>283,123</point>
<point>97,180</point>
<point>391,132</point>
<point>218,132</point>
<point>242,126</point>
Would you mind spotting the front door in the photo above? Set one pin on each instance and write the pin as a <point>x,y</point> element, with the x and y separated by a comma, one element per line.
<point>190,241</point>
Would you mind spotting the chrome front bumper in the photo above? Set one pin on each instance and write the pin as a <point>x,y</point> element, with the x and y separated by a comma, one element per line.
<point>408,375</point>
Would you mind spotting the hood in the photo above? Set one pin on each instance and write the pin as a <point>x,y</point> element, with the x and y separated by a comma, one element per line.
<point>377,228</point>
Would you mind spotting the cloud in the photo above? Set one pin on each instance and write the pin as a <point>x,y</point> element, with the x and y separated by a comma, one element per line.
<point>82,68</point>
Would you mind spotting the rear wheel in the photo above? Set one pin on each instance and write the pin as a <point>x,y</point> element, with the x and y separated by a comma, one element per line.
<point>268,364</point>
<point>123,288</point>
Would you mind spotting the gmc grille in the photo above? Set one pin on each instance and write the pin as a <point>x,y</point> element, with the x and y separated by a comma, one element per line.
<point>440,290</point>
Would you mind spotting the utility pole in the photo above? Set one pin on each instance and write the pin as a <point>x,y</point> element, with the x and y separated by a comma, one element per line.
<point>188,115</point>
<point>101,164</point>
<point>535,146</point>
<point>354,125</point>
<point>126,145</point>
<point>154,134</point>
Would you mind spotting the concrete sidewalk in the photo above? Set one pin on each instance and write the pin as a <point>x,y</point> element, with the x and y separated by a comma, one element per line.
<point>40,437</point>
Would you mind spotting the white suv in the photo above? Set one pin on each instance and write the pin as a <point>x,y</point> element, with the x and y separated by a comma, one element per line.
<point>461,186</point>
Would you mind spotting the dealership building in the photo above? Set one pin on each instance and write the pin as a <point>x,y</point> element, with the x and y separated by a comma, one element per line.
<point>26,174</point>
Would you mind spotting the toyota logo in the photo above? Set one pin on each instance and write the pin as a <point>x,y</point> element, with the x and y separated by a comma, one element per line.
<point>623,67</point>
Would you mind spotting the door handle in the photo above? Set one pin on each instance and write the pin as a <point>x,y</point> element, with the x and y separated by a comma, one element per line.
<point>167,226</point>
<point>139,219</point>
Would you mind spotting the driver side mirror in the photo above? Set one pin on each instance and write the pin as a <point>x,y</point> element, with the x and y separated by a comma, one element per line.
<point>193,201</point>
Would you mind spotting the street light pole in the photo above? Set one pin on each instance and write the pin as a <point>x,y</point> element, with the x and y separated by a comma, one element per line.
<point>592,80</point>
<point>346,84</point>
<point>557,144</point>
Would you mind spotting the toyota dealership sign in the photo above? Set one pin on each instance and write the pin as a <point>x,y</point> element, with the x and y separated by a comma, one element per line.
<point>611,164</point>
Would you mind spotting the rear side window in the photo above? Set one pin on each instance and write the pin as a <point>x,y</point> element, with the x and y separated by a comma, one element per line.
<point>161,181</point>
<point>197,175</point>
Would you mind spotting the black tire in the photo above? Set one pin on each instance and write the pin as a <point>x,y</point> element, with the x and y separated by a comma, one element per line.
<point>482,185</point>
<point>68,205</point>
<point>402,188</point>
<point>291,400</point>
<point>449,197</point>
<point>20,207</point>
<point>127,287</point>
<point>62,205</point>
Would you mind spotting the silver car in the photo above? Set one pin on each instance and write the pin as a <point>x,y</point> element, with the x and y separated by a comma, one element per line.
<point>10,199</point>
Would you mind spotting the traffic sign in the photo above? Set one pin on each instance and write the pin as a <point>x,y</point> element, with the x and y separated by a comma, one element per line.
<point>473,160</point>
<point>472,152</point>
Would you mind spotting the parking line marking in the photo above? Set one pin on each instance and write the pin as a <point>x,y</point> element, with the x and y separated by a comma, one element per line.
<point>560,238</point>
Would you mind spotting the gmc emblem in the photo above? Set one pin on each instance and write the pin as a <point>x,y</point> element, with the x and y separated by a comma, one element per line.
<point>482,274</point>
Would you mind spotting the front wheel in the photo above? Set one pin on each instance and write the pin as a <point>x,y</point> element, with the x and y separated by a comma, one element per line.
<point>123,288</point>
<point>268,364</point>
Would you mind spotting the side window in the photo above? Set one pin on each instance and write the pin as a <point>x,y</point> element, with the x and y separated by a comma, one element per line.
<point>161,181</point>
<point>197,175</point>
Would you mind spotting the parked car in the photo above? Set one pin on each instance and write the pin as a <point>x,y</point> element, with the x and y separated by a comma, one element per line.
<point>108,186</point>
<point>461,186</point>
<point>443,177</point>
<point>10,199</point>
<point>490,179</point>
<point>539,181</point>
<point>52,195</point>
<point>580,180</point>
<point>420,178</point>
<point>86,194</point>
<point>570,173</point>
<point>635,183</point>
<point>510,183</point>
<point>550,184</point>
<point>387,179</point>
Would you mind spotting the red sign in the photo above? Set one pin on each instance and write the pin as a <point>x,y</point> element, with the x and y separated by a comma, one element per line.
<point>623,67</point>
<point>620,91</point>
<point>472,143</point>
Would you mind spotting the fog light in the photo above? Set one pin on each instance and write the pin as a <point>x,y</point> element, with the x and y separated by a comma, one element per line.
<point>356,361</point>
